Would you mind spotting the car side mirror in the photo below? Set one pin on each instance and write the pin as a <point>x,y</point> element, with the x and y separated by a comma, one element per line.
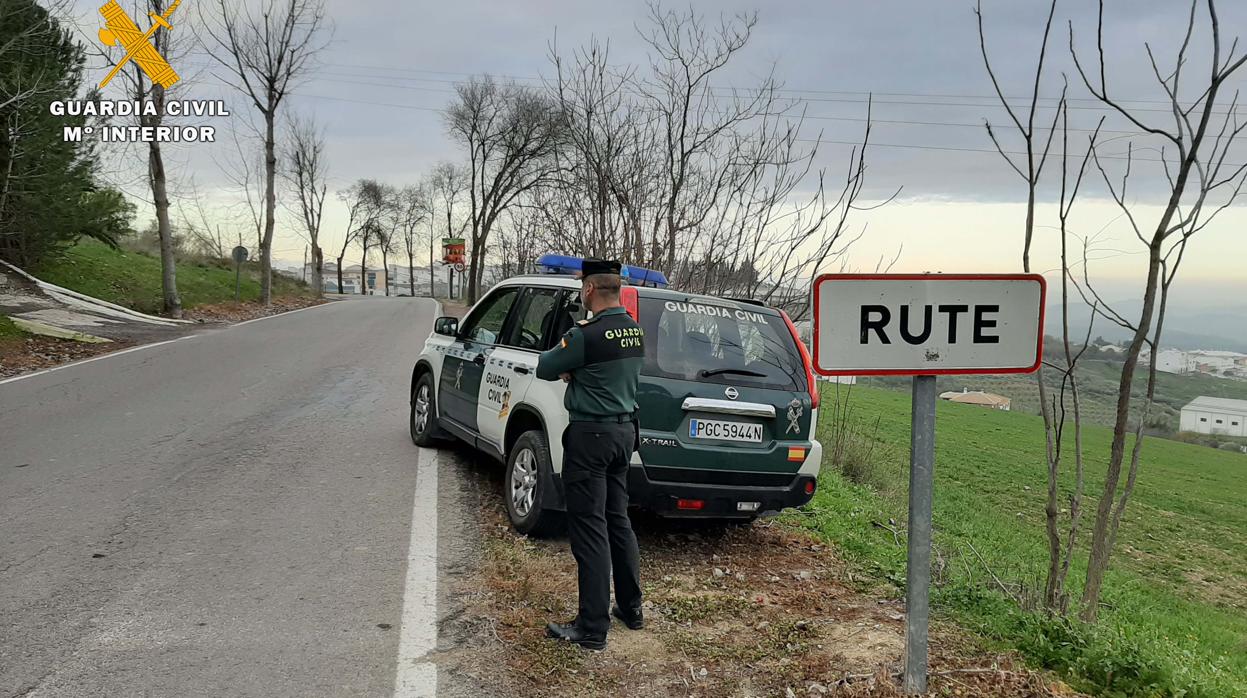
<point>448,326</point>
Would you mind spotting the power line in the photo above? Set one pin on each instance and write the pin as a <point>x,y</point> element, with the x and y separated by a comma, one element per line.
<point>1025,100</point>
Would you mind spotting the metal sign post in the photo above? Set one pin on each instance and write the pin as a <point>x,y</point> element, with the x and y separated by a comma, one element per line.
<point>240,256</point>
<point>923,325</point>
<point>918,561</point>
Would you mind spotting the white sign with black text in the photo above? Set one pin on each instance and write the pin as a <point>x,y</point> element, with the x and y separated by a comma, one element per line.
<point>927,324</point>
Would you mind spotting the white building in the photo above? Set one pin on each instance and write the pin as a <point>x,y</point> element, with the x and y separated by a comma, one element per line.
<point>351,280</point>
<point>1215,415</point>
<point>401,278</point>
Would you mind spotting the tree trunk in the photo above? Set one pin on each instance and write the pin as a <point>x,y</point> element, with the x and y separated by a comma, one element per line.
<point>363,272</point>
<point>341,259</point>
<point>270,205</point>
<point>318,270</point>
<point>1101,542</point>
<point>411,271</point>
<point>160,198</point>
<point>385,269</point>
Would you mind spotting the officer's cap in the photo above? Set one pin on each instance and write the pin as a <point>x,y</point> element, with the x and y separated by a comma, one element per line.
<point>600,266</point>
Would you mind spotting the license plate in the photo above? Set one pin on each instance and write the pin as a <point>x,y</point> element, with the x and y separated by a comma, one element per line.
<point>725,431</point>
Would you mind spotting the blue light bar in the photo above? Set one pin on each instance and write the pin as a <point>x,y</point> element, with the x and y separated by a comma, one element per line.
<point>570,266</point>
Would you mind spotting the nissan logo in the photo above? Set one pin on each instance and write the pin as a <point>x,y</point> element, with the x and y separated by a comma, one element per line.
<point>731,393</point>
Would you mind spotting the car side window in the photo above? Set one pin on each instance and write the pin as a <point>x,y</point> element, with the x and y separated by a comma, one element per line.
<point>532,328</point>
<point>484,325</point>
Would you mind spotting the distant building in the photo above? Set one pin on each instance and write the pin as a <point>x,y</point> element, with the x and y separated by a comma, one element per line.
<point>1215,415</point>
<point>351,280</point>
<point>978,397</point>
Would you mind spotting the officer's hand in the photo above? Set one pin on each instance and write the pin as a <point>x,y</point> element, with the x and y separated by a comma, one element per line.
<point>567,377</point>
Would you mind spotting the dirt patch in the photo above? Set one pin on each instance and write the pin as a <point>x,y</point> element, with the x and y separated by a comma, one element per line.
<point>730,611</point>
<point>231,312</point>
<point>23,355</point>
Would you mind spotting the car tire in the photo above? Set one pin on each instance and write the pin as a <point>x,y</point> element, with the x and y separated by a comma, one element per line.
<point>528,485</point>
<point>425,430</point>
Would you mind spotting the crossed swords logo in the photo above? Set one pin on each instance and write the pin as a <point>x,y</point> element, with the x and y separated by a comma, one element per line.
<point>795,410</point>
<point>120,30</point>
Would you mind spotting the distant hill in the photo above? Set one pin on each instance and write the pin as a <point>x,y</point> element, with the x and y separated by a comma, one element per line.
<point>1222,326</point>
<point>1097,389</point>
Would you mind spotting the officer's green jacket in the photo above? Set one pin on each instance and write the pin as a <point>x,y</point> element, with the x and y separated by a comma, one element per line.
<point>604,357</point>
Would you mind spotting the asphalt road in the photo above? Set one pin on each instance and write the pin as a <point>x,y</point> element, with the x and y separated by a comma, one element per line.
<point>227,514</point>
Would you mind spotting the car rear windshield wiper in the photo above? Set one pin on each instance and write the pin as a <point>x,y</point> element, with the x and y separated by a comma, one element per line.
<point>706,373</point>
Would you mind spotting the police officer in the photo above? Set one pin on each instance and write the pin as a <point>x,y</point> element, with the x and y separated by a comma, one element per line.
<point>601,361</point>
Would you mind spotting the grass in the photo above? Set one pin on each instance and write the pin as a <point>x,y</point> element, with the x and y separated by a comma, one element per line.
<point>1098,390</point>
<point>8,330</point>
<point>1174,620</point>
<point>132,279</point>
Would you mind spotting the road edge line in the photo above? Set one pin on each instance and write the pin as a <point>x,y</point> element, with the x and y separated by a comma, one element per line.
<point>79,362</point>
<point>415,673</point>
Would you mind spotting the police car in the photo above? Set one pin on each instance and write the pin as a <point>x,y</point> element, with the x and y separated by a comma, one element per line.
<point>727,400</point>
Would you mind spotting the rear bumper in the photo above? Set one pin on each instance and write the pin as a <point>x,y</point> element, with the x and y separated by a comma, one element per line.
<point>718,501</point>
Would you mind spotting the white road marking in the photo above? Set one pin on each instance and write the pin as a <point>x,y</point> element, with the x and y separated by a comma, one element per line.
<point>416,675</point>
<point>109,355</point>
<point>282,314</point>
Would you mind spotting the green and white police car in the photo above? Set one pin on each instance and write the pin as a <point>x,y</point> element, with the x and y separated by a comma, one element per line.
<point>727,400</point>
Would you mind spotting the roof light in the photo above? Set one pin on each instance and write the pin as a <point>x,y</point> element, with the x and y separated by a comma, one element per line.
<point>570,266</point>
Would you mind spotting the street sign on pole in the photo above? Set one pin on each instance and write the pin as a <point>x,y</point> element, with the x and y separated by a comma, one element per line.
<point>924,325</point>
<point>240,255</point>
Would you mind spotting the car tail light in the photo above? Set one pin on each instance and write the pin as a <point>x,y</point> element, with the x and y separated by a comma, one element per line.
<point>805,359</point>
<point>629,297</point>
<point>809,487</point>
<point>690,504</point>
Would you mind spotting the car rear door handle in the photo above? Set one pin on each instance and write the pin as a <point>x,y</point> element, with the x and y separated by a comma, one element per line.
<point>520,369</point>
<point>479,360</point>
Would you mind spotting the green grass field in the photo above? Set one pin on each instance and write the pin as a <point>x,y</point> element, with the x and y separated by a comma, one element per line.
<point>1097,387</point>
<point>1174,620</point>
<point>132,279</point>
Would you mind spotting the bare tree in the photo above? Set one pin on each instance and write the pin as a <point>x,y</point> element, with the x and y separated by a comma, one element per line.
<point>664,170</point>
<point>139,87</point>
<point>204,237</point>
<point>1037,148</point>
<point>1199,185</point>
<point>363,202</point>
<point>266,51</point>
<point>447,182</point>
<point>510,134</point>
<point>415,206</point>
<point>307,170</point>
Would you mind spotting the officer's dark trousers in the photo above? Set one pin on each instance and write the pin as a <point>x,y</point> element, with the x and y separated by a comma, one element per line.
<point>595,482</point>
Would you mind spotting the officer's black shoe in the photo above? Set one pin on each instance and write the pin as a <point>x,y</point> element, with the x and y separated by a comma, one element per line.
<point>633,619</point>
<point>573,633</point>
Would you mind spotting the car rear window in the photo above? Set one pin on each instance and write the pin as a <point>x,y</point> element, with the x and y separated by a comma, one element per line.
<point>718,344</point>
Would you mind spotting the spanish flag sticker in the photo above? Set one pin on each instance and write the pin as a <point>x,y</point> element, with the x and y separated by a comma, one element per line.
<point>796,454</point>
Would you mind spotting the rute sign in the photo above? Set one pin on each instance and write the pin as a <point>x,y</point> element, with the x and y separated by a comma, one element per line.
<point>927,324</point>
<point>922,325</point>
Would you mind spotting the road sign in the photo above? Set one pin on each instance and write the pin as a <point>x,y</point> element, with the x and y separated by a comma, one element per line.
<point>923,325</point>
<point>927,324</point>
<point>240,256</point>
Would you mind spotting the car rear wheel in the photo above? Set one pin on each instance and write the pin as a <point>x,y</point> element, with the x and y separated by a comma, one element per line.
<point>424,429</point>
<point>528,485</point>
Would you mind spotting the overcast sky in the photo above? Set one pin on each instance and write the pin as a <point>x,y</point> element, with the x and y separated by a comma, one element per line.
<point>391,67</point>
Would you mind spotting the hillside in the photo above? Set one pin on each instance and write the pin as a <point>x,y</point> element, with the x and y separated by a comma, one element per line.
<point>1097,388</point>
<point>132,278</point>
<point>1174,616</point>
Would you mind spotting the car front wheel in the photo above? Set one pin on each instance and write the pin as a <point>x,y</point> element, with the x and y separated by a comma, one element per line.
<point>424,429</point>
<point>528,485</point>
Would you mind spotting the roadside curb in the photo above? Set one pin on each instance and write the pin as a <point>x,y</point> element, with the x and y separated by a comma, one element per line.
<point>87,303</point>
